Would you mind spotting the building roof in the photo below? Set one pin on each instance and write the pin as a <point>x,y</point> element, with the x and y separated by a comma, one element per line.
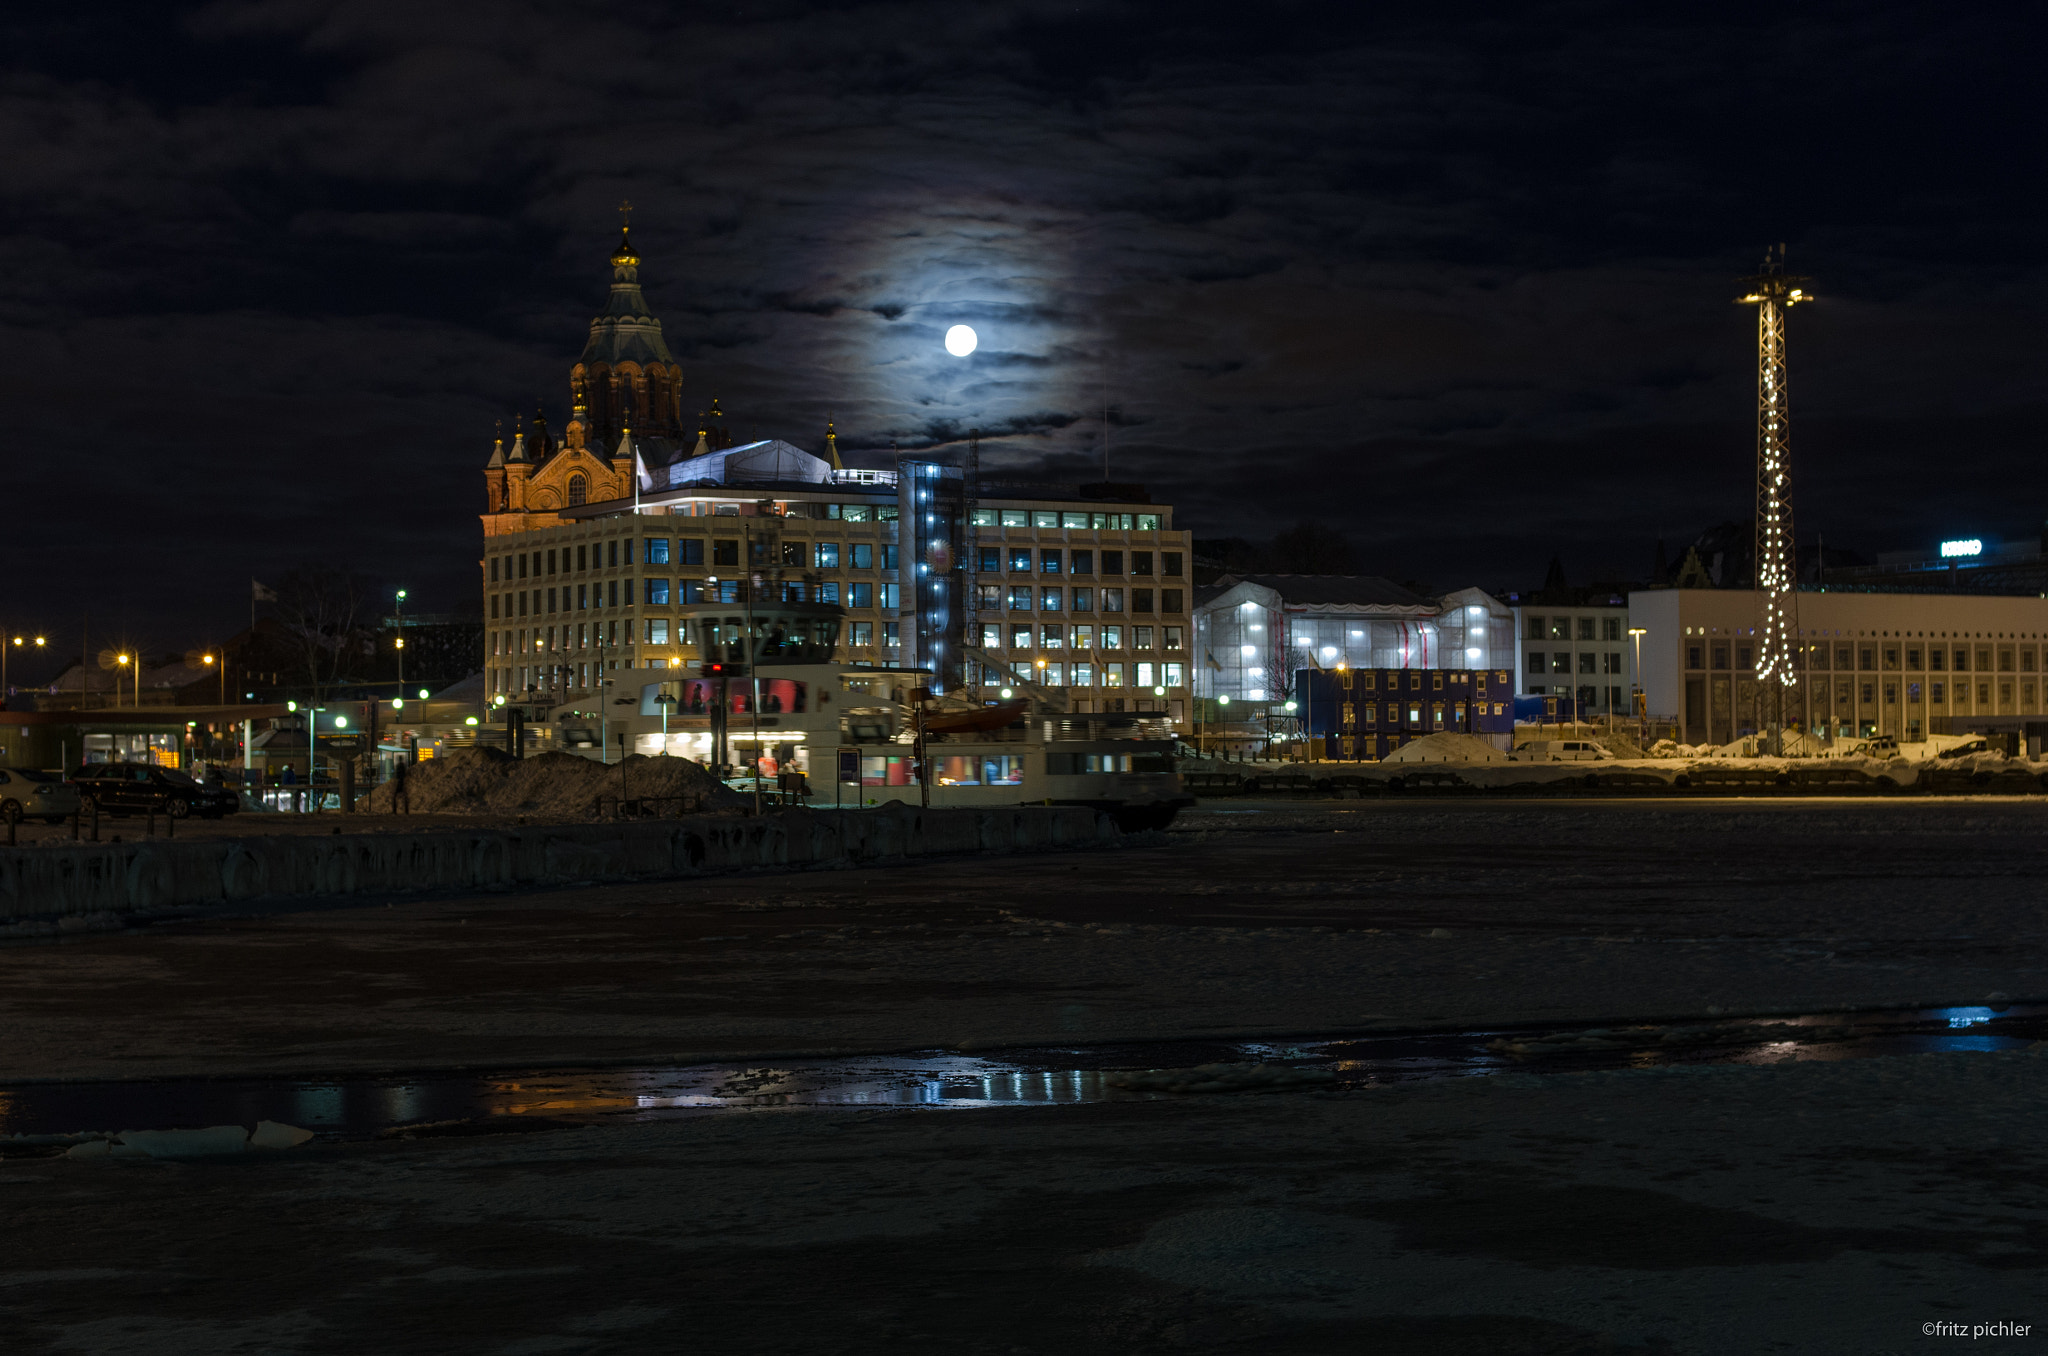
<point>1356,590</point>
<point>770,461</point>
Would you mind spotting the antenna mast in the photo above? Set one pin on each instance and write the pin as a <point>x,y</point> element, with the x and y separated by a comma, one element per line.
<point>1774,292</point>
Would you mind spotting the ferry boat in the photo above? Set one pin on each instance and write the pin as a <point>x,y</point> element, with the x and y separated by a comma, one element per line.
<point>766,692</point>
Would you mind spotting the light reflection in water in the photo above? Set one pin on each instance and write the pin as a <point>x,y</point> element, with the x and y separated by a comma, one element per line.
<point>1039,1077</point>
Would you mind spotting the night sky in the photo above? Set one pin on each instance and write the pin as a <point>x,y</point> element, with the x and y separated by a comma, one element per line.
<point>1459,286</point>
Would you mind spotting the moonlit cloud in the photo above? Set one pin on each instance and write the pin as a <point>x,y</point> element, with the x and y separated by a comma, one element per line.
<point>1457,284</point>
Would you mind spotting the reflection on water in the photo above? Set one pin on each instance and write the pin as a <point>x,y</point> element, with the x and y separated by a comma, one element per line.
<point>1034,1077</point>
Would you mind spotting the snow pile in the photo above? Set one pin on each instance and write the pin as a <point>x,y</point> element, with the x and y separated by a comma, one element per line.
<point>1621,746</point>
<point>485,781</point>
<point>1446,747</point>
<point>1223,1078</point>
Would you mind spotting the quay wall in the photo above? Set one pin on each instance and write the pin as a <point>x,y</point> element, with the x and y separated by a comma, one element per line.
<point>101,881</point>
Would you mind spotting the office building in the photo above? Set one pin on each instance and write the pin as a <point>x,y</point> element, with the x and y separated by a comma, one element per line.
<point>1900,664</point>
<point>597,544</point>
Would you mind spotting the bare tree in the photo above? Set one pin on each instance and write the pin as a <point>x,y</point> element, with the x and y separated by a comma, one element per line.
<point>329,615</point>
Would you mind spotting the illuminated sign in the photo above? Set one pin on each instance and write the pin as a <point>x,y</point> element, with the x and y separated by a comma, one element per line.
<point>1969,546</point>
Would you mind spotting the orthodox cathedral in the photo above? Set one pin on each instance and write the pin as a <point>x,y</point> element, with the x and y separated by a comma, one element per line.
<point>626,422</point>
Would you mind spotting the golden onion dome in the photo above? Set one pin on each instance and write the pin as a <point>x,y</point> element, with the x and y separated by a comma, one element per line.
<point>625,256</point>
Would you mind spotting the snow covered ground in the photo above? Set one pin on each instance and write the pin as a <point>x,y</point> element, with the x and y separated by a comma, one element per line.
<point>1812,1207</point>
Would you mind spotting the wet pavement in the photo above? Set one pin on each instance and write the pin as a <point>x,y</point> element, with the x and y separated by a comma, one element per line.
<point>471,1103</point>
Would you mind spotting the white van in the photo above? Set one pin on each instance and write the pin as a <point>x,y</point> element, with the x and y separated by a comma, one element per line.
<point>1559,751</point>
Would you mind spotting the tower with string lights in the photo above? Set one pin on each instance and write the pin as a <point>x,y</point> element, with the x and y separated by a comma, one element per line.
<point>1774,292</point>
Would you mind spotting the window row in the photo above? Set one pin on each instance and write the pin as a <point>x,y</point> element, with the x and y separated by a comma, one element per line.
<point>1067,519</point>
<point>1373,715</point>
<point>562,560</point>
<point>823,555</point>
<point>1091,673</point>
<point>563,598</point>
<point>1568,628</point>
<point>686,592</point>
<point>1080,598</point>
<point>859,634</point>
<point>1937,693</point>
<point>551,639</point>
<point>950,769</point>
<point>1892,655</point>
<point>1560,661</point>
<point>1058,560</point>
<point>1079,636</point>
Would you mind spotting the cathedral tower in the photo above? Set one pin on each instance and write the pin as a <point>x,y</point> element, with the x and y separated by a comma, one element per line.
<point>626,377</point>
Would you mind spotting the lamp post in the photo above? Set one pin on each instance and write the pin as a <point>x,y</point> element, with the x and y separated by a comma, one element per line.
<point>15,643</point>
<point>121,661</point>
<point>1636,633</point>
<point>398,615</point>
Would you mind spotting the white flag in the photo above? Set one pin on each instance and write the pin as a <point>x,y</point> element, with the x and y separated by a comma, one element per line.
<point>261,593</point>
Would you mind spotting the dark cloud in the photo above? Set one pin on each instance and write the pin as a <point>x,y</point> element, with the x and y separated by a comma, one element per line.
<point>1458,283</point>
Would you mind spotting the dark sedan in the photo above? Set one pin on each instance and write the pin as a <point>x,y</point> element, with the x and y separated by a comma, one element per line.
<point>138,788</point>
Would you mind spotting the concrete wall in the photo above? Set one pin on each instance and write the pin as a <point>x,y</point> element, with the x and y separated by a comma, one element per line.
<point>97,881</point>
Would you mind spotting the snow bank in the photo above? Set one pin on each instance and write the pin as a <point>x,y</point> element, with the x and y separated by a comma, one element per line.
<point>1446,747</point>
<point>484,781</point>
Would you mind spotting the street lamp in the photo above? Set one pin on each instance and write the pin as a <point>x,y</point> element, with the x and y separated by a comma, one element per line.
<point>18,641</point>
<point>122,660</point>
<point>399,617</point>
<point>1636,633</point>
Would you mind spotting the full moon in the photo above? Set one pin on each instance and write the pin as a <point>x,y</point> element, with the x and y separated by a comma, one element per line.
<point>960,340</point>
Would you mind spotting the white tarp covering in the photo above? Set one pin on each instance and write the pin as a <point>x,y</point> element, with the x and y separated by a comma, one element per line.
<point>768,460</point>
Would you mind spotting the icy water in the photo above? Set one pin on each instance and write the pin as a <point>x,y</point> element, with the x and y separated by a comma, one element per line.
<point>473,1102</point>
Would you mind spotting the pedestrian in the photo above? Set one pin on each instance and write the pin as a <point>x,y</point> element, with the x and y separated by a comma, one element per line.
<point>401,799</point>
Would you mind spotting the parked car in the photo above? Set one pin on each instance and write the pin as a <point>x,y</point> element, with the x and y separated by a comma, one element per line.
<point>137,788</point>
<point>34,795</point>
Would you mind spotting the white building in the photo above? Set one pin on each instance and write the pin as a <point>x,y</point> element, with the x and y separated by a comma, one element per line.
<point>1253,632</point>
<point>1579,650</point>
<point>1903,664</point>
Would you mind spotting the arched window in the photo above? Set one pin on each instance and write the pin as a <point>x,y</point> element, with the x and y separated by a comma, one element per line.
<point>579,489</point>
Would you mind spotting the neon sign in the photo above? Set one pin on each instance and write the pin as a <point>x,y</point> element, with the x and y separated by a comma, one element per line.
<point>1969,546</point>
